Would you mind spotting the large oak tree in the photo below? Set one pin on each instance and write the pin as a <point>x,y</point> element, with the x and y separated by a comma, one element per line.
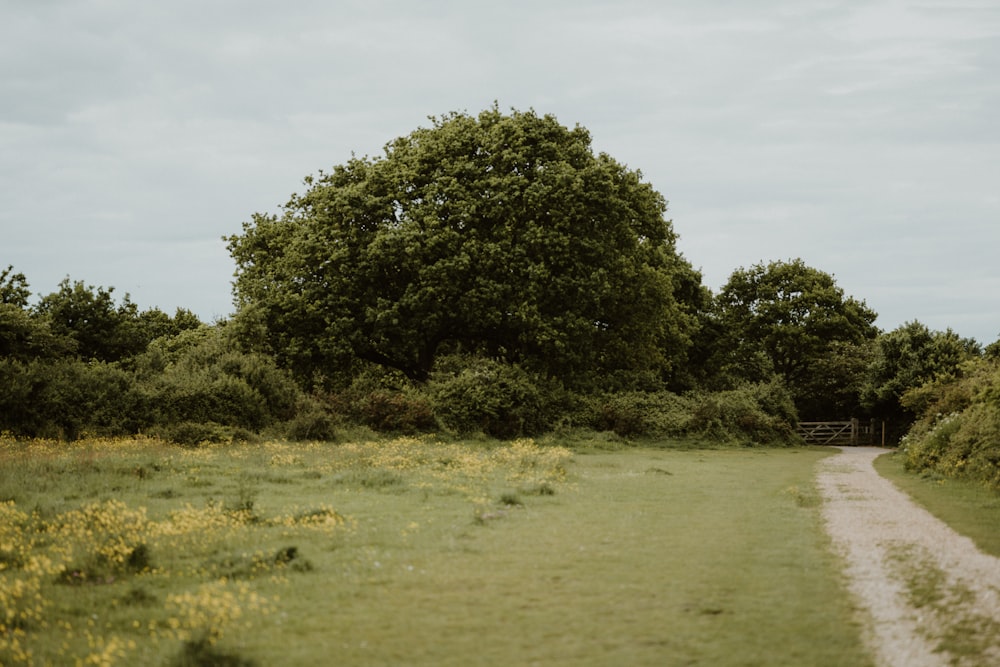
<point>495,234</point>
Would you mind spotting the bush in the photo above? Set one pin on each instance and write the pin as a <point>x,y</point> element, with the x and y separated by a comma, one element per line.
<point>192,434</point>
<point>277,389</point>
<point>311,422</point>
<point>385,400</point>
<point>964,443</point>
<point>66,398</point>
<point>203,652</point>
<point>397,412</point>
<point>20,383</point>
<point>958,431</point>
<point>473,395</point>
<point>975,449</point>
<point>201,398</point>
<point>636,413</point>
<point>753,414</point>
<point>200,376</point>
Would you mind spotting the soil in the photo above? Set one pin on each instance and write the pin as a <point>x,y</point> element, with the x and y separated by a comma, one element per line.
<point>926,596</point>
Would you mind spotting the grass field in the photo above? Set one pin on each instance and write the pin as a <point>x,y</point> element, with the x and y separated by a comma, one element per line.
<point>415,551</point>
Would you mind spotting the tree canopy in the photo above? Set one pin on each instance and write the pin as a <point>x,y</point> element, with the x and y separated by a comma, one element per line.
<point>908,358</point>
<point>792,320</point>
<point>14,288</point>
<point>503,235</point>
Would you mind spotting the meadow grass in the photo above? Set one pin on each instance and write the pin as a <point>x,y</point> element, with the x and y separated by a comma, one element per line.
<point>968,507</point>
<point>415,551</point>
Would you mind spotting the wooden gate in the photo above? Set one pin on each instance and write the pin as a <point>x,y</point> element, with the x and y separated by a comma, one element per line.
<point>851,433</point>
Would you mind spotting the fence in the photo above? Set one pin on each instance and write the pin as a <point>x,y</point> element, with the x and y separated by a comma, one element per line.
<point>852,433</point>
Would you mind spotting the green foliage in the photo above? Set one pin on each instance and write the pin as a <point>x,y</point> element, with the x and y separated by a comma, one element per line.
<point>483,395</point>
<point>154,324</point>
<point>640,413</point>
<point>836,385</point>
<point>202,652</point>
<point>496,235</point>
<point>101,329</point>
<point>792,321</point>
<point>25,337</point>
<point>312,422</point>
<point>396,412</point>
<point>203,398</point>
<point>905,360</point>
<point>761,414</point>
<point>14,288</point>
<point>66,398</point>
<point>384,400</point>
<point>757,414</point>
<point>925,448</point>
<point>198,376</point>
<point>201,376</point>
<point>192,434</point>
<point>958,431</point>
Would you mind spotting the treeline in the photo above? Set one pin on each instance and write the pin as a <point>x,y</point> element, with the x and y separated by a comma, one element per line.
<point>78,363</point>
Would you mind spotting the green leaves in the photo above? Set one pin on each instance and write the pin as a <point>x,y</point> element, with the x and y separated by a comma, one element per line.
<point>791,320</point>
<point>14,288</point>
<point>498,234</point>
<point>908,358</point>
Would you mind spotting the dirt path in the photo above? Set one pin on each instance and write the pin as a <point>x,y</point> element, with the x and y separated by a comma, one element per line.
<point>928,596</point>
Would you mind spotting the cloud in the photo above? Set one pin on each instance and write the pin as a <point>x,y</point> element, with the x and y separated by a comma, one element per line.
<point>859,136</point>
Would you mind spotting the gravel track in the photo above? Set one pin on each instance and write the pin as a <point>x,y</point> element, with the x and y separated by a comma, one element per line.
<point>927,596</point>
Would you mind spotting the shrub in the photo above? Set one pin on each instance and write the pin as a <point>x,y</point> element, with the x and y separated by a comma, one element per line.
<point>757,413</point>
<point>501,400</point>
<point>192,434</point>
<point>224,400</point>
<point>200,376</point>
<point>385,400</point>
<point>752,414</point>
<point>311,422</point>
<point>68,397</point>
<point>975,452</point>
<point>102,540</point>
<point>637,413</point>
<point>397,412</point>
<point>276,387</point>
<point>958,431</point>
<point>202,652</point>
<point>964,445</point>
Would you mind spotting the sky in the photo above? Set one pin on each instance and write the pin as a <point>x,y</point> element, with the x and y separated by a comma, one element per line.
<point>860,136</point>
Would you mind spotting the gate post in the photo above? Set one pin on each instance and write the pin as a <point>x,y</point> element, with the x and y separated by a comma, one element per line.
<point>854,431</point>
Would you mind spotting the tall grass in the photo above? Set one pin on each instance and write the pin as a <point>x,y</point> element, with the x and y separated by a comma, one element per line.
<point>414,551</point>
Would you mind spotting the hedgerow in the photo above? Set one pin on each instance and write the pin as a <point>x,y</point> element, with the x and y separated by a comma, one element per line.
<point>958,432</point>
<point>752,414</point>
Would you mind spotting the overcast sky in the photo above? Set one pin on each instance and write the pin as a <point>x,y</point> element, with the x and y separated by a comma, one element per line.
<point>861,136</point>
